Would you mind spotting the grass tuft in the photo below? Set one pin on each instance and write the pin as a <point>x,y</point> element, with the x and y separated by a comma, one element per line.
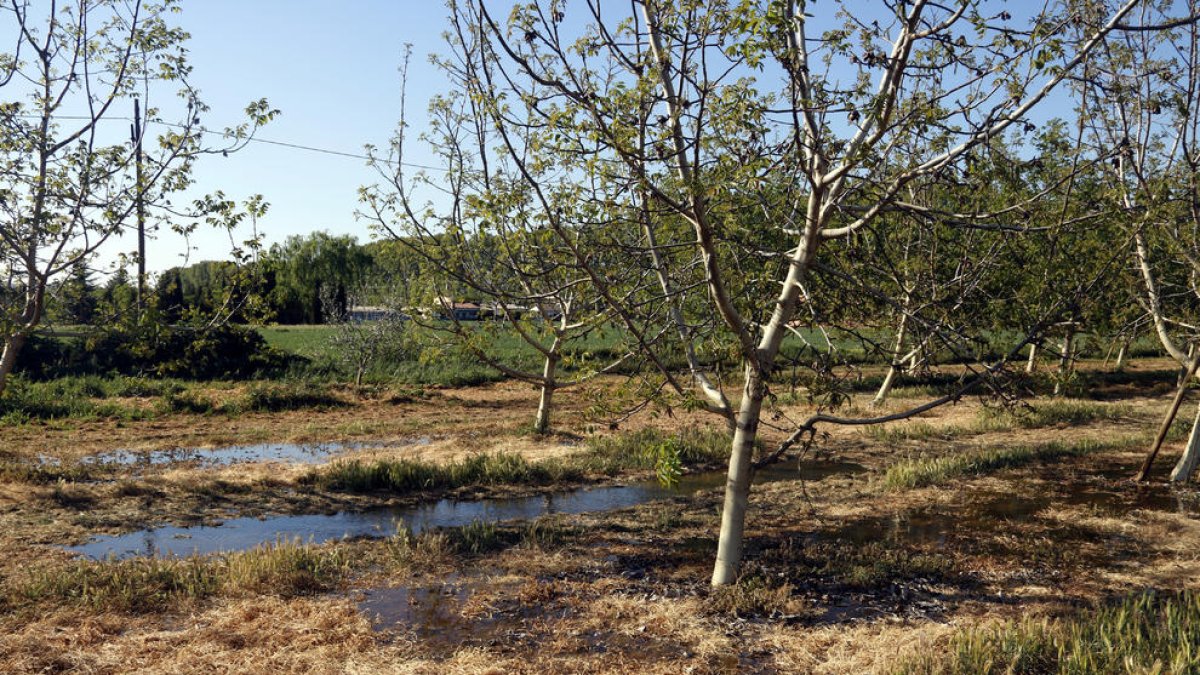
<point>280,397</point>
<point>926,471</point>
<point>608,457</point>
<point>1153,632</point>
<point>141,585</point>
<point>754,596</point>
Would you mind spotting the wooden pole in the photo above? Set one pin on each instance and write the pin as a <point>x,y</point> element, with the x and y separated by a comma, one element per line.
<point>139,197</point>
<point>1166,425</point>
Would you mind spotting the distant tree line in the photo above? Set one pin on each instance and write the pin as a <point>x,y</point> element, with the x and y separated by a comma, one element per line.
<point>303,280</point>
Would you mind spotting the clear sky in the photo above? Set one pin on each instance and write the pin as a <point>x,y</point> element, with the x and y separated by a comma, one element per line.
<point>332,69</point>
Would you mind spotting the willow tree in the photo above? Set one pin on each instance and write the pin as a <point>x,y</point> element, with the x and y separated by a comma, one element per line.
<point>765,139</point>
<point>70,182</point>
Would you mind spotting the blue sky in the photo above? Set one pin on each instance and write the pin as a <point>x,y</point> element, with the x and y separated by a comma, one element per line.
<point>332,69</point>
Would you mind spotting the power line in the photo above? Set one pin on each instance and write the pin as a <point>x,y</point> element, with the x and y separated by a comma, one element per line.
<point>253,139</point>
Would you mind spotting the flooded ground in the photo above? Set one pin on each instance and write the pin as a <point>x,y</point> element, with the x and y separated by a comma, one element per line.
<point>986,511</point>
<point>239,534</point>
<point>847,575</point>
<point>292,453</point>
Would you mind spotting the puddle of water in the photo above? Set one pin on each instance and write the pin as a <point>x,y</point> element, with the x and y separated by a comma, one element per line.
<point>244,533</point>
<point>455,611</point>
<point>432,611</point>
<point>917,526</point>
<point>235,454</point>
<point>295,453</point>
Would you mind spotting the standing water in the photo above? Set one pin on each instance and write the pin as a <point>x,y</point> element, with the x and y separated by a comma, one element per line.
<point>244,533</point>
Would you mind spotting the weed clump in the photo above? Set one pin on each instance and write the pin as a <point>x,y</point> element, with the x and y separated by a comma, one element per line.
<point>754,596</point>
<point>608,456</point>
<point>926,471</point>
<point>1154,632</point>
<point>281,397</point>
<point>282,568</point>
<point>142,585</point>
<point>409,475</point>
<point>186,402</point>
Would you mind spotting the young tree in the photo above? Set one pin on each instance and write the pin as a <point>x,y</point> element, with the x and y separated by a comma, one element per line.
<point>360,342</point>
<point>772,132</point>
<point>1141,94</point>
<point>493,244</point>
<point>68,183</point>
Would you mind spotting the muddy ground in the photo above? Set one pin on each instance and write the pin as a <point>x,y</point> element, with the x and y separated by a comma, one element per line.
<point>842,574</point>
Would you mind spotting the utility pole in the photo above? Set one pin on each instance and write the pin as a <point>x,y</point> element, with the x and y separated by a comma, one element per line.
<point>135,131</point>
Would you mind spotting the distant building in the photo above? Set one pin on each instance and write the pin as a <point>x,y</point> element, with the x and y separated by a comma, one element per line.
<point>500,311</point>
<point>459,311</point>
<point>368,313</point>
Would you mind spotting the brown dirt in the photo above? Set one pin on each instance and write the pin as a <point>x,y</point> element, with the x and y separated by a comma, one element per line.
<point>842,575</point>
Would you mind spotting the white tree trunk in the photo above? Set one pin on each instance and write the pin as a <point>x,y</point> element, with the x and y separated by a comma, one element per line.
<point>1031,364</point>
<point>894,369</point>
<point>8,360</point>
<point>1186,467</point>
<point>1122,354</point>
<point>737,485</point>
<point>546,402</point>
<point>1064,361</point>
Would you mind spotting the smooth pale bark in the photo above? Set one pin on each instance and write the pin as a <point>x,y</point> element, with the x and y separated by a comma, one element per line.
<point>1186,467</point>
<point>1064,361</point>
<point>1031,364</point>
<point>545,403</point>
<point>894,369</point>
<point>8,360</point>
<point>1122,354</point>
<point>717,401</point>
<point>737,485</point>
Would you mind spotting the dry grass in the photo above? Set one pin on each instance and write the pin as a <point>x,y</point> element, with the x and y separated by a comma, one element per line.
<point>618,592</point>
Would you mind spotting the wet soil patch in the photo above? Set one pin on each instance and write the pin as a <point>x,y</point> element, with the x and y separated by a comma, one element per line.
<point>292,453</point>
<point>243,533</point>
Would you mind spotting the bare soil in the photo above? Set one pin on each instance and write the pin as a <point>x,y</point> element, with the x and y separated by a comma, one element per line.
<point>842,575</point>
